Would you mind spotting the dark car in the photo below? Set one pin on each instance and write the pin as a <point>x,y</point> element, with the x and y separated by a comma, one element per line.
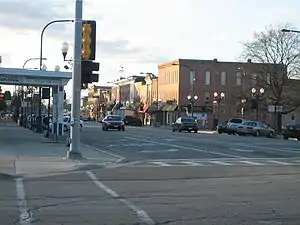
<point>222,128</point>
<point>132,121</point>
<point>291,130</point>
<point>113,122</point>
<point>185,124</point>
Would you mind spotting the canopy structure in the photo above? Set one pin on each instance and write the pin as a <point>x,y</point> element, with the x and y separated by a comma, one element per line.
<point>55,79</point>
<point>16,76</point>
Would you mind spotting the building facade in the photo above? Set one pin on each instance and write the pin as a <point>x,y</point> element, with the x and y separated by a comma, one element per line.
<point>219,88</point>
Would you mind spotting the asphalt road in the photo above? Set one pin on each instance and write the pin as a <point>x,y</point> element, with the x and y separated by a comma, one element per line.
<point>153,144</point>
<point>165,178</point>
<point>176,196</point>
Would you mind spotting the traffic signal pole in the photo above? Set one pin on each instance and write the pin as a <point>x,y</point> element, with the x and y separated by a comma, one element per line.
<point>74,151</point>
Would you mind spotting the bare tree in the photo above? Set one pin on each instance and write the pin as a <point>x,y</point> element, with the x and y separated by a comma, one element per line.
<point>279,56</point>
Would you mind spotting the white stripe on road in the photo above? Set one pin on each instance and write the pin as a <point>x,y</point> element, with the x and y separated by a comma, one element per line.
<point>221,163</point>
<point>25,214</point>
<point>268,148</point>
<point>141,214</point>
<point>279,162</point>
<point>192,163</point>
<point>159,151</point>
<point>189,148</point>
<point>161,164</point>
<point>241,150</point>
<point>252,163</point>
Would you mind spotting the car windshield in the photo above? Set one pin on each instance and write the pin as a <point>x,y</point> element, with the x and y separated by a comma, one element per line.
<point>235,120</point>
<point>113,118</point>
<point>188,120</point>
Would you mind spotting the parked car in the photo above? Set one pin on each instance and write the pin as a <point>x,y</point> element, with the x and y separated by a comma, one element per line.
<point>233,123</point>
<point>132,121</point>
<point>113,122</point>
<point>66,123</point>
<point>222,128</point>
<point>256,129</point>
<point>291,130</point>
<point>185,124</point>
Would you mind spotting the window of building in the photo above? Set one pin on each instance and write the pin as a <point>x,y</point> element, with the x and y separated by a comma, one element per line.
<point>254,78</point>
<point>207,97</point>
<point>238,78</point>
<point>222,111</point>
<point>207,78</point>
<point>268,78</point>
<point>223,78</point>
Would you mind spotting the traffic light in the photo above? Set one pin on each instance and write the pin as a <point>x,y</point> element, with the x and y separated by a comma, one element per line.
<point>88,40</point>
<point>87,75</point>
<point>2,97</point>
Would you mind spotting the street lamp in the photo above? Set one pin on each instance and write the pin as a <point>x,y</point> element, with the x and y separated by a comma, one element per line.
<point>243,100</point>
<point>192,99</point>
<point>217,99</point>
<point>257,95</point>
<point>64,49</point>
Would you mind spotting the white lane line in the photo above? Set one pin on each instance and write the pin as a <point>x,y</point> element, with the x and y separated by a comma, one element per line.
<point>279,162</point>
<point>161,163</point>
<point>25,214</point>
<point>189,148</point>
<point>252,163</point>
<point>192,163</point>
<point>221,163</point>
<point>141,214</point>
<point>159,151</point>
<point>120,158</point>
<point>267,148</point>
<point>241,150</point>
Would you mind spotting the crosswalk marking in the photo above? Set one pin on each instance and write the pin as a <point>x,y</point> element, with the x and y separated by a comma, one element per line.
<point>161,164</point>
<point>192,163</point>
<point>221,163</point>
<point>252,163</point>
<point>279,162</point>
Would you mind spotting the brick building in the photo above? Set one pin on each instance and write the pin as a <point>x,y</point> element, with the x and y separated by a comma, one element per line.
<point>202,78</point>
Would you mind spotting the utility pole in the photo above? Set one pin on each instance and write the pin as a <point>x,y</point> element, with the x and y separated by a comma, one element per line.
<point>74,152</point>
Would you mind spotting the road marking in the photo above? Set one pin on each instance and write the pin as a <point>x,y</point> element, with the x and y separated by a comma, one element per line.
<point>241,150</point>
<point>192,163</point>
<point>267,148</point>
<point>159,151</point>
<point>221,163</point>
<point>279,162</point>
<point>161,164</point>
<point>189,148</point>
<point>25,214</point>
<point>251,163</point>
<point>120,158</point>
<point>141,214</point>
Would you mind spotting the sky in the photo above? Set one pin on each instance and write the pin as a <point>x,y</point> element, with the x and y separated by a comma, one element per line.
<point>138,34</point>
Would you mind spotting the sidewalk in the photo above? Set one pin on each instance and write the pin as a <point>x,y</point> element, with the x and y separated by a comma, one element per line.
<point>25,153</point>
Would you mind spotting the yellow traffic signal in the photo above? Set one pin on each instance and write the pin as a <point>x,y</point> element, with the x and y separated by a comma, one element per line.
<point>86,41</point>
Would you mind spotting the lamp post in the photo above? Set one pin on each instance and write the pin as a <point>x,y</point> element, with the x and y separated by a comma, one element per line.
<point>257,94</point>
<point>39,119</point>
<point>243,101</point>
<point>192,99</point>
<point>217,99</point>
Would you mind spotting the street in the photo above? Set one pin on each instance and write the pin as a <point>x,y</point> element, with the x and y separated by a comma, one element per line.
<point>159,177</point>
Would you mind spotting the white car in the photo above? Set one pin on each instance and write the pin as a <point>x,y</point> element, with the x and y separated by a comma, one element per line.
<point>67,123</point>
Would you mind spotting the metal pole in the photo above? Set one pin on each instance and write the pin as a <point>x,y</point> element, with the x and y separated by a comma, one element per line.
<point>74,151</point>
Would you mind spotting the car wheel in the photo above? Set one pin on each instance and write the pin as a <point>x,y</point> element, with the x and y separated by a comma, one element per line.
<point>189,131</point>
<point>220,132</point>
<point>195,131</point>
<point>256,133</point>
<point>123,129</point>
<point>119,129</point>
<point>285,137</point>
<point>271,134</point>
<point>179,130</point>
<point>173,130</point>
<point>298,139</point>
<point>106,128</point>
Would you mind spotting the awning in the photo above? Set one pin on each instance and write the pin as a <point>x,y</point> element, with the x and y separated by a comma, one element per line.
<point>169,108</point>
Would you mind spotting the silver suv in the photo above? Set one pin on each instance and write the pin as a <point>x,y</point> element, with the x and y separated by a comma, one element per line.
<point>233,124</point>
